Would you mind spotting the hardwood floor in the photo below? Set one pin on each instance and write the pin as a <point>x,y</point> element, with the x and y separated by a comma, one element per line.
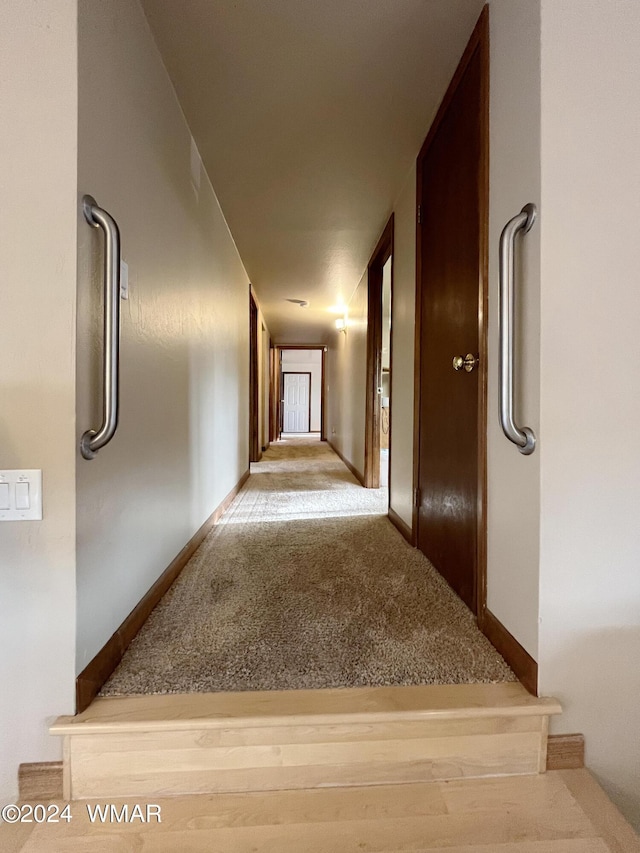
<point>555,812</point>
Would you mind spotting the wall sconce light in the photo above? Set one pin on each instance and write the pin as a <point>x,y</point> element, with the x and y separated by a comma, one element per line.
<point>341,325</point>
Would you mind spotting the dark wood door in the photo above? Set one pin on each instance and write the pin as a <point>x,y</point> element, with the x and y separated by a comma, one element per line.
<point>451,281</point>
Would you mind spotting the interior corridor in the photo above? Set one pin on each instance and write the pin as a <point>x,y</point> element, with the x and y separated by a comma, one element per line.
<point>304,583</point>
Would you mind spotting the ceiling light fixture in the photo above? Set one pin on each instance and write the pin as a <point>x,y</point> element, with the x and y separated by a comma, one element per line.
<point>301,303</point>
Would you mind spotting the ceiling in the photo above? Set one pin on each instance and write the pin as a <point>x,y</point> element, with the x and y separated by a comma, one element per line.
<point>308,115</point>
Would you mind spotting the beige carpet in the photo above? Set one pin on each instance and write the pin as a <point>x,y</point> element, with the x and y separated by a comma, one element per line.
<point>306,584</point>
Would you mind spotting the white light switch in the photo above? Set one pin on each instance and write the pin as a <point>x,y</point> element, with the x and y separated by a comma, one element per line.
<point>21,495</point>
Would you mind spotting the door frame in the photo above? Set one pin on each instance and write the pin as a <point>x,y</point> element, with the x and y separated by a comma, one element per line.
<point>381,254</point>
<point>308,373</point>
<point>278,370</point>
<point>479,41</point>
<point>255,454</point>
<point>274,394</point>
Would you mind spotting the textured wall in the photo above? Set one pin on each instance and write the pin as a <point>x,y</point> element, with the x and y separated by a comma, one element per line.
<point>37,373</point>
<point>182,443</point>
<point>513,479</point>
<point>347,368</point>
<point>590,457</point>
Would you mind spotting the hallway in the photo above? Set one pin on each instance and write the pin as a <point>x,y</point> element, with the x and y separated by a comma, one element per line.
<point>304,583</point>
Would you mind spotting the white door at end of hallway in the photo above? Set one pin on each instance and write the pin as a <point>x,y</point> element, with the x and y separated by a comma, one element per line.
<point>297,402</point>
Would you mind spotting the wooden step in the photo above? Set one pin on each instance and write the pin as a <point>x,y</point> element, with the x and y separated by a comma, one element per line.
<point>278,740</point>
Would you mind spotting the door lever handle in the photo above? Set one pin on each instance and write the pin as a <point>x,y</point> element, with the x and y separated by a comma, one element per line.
<point>468,363</point>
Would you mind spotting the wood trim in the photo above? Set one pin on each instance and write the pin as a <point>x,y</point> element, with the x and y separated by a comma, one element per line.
<point>301,373</point>
<point>272,393</point>
<point>40,782</point>
<point>390,442</point>
<point>482,29</point>
<point>98,670</point>
<point>301,346</point>
<point>479,40</point>
<point>323,431</point>
<point>401,525</point>
<point>515,655</point>
<point>359,477</point>
<point>254,383</point>
<point>374,347</point>
<point>565,752</point>
<point>278,393</point>
<point>381,254</point>
<point>544,744</point>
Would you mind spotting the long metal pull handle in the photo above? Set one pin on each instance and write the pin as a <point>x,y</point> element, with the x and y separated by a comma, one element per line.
<point>93,440</point>
<point>522,437</point>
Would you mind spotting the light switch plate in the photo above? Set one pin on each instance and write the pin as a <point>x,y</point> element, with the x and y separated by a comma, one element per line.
<point>33,480</point>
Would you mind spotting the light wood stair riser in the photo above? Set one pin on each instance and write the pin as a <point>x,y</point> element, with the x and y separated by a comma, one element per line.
<point>405,736</point>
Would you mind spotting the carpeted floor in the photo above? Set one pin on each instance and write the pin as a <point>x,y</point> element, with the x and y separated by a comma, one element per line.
<point>306,584</point>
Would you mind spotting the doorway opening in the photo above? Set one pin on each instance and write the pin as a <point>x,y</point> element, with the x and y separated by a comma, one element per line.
<point>299,376</point>
<point>377,443</point>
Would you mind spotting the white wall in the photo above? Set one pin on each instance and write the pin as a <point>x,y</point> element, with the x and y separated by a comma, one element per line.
<point>513,479</point>
<point>182,443</point>
<point>346,381</point>
<point>589,450</point>
<point>403,319</point>
<point>37,373</point>
<point>307,361</point>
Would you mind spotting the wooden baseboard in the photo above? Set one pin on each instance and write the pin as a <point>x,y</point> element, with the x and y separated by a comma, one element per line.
<point>401,525</point>
<point>515,655</point>
<point>94,675</point>
<point>359,477</point>
<point>40,782</point>
<point>565,752</point>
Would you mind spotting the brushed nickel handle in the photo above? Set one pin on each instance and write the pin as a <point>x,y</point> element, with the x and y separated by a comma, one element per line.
<point>522,437</point>
<point>92,440</point>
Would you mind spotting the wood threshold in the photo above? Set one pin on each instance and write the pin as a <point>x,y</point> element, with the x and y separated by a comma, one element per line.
<point>359,477</point>
<point>518,658</point>
<point>40,781</point>
<point>304,707</point>
<point>401,526</point>
<point>565,752</point>
<point>98,670</point>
